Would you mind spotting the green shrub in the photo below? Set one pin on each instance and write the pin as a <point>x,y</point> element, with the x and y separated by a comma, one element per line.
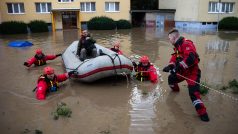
<point>13,27</point>
<point>37,26</point>
<point>123,24</point>
<point>203,90</point>
<point>229,23</point>
<point>62,110</point>
<point>234,86</point>
<point>101,23</point>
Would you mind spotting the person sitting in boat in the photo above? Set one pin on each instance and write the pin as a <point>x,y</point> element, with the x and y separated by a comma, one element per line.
<point>116,47</point>
<point>145,70</point>
<point>86,47</point>
<point>40,58</point>
<point>48,82</point>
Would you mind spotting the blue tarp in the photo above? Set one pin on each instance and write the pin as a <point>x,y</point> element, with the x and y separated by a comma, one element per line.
<point>20,44</point>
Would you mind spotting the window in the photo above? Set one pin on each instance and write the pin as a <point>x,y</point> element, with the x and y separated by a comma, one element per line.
<point>223,7</point>
<point>227,7</point>
<point>65,1</point>
<point>112,6</point>
<point>87,7</point>
<point>43,7</point>
<point>15,8</point>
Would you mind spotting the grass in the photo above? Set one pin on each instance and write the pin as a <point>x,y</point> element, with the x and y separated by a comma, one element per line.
<point>105,132</point>
<point>233,85</point>
<point>62,110</point>
<point>38,131</point>
<point>27,131</point>
<point>204,90</point>
<point>224,88</point>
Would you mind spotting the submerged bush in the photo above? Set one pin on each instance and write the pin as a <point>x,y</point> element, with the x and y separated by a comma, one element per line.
<point>234,86</point>
<point>203,89</point>
<point>38,131</point>
<point>38,26</point>
<point>101,23</point>
<point>123,24</point>
<point>229,23</point>
<point>62,110</point>
<point>13,27</point>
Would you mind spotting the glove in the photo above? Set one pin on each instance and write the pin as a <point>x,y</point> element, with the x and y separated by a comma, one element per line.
<point>134,63</point>
<point>57,55</point>
<point>26,64</point>
<point>168,68</point>
<point>71,73</point>
<point>177,68</point>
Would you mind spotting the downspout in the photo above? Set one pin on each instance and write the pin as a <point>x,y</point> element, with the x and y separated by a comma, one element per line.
<point>53,21</point>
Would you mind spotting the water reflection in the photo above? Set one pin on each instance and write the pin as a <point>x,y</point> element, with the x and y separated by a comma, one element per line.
<point>143,100</point>
<point>102,101</point>
<point>217,46</point>
<point>215,67</point>
<point>228,35</point>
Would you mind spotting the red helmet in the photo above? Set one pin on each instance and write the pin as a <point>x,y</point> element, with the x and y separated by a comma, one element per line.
<point>48,70</point>
<point>38,51</point>
<point>144,59</point>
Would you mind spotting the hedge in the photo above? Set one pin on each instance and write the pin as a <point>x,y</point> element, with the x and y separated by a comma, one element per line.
<point>123,24</point>
<point>38,26</point>
<point>101,23</point>
<point>228,23</point>
<point>13,27</point>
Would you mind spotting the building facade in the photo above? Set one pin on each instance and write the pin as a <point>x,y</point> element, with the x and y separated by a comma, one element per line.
<point>63,14</point>
<point>200,13</point>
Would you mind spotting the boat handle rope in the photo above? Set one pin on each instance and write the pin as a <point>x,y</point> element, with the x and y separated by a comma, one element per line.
<point>112,63</point>
<point>116,55</point>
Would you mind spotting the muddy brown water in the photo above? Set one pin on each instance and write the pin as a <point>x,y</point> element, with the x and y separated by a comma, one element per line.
<point>115,106</point>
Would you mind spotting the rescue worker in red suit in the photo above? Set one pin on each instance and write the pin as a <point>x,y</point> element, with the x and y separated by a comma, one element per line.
<point>48,82</point>
<point>145,70</point>
<point>184,61</point>
<point>116,47</point>
<point>40,58</point>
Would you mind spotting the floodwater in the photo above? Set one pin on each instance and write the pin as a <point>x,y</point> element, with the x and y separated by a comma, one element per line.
<point>118,106</point>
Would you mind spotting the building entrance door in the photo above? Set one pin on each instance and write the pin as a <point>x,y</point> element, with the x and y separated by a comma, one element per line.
<point>160,21</point>
<point>69,19</point>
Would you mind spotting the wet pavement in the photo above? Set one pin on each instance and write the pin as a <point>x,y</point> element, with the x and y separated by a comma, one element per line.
<point>115,105</point>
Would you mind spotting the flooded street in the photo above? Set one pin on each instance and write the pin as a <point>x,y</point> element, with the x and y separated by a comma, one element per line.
<point>118,106</point>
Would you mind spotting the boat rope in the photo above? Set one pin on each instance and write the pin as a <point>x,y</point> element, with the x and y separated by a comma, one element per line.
<point>112,63</point>
<point>127,79</point>
<point>119,59</point>
<point>77,66</point>
<point>214,90</point>
<point>233,98</point>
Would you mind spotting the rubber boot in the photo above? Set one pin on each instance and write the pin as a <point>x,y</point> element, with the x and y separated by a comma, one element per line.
<point>204,117</point>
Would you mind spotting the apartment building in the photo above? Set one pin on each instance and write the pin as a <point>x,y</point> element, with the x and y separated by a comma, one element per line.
<point>63,14</point>
<point>200,13</point>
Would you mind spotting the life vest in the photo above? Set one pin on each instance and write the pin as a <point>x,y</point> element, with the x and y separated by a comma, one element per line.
<point>179,51</point>
<point>115,50</point>
<point>142,72</point>
<point>52,85</point>
<point>40,60</point>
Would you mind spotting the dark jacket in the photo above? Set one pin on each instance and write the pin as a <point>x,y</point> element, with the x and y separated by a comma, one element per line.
<point>88,44</point>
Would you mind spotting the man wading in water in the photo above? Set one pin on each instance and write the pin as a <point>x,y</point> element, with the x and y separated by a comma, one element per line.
<point>184,61</point>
